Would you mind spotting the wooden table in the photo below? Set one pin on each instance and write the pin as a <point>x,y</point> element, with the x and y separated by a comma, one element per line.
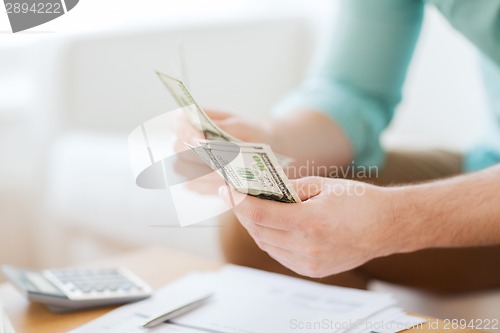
<point>156,265</point>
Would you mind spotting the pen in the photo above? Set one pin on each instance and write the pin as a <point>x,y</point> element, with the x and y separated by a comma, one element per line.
<point>185,308</point>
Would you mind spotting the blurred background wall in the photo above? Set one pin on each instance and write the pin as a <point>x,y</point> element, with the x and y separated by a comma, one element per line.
<point>73,89</point>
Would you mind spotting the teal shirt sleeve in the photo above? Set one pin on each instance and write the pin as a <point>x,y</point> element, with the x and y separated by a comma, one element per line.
<point>478,21</point>
<point>356,77</point>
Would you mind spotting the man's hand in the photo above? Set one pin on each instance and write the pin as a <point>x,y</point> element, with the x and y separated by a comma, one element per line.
<point>200,178</point>
<point>238,127</point>
<point>241,128</point>
<point>309,137</point>
<point>340,225</point>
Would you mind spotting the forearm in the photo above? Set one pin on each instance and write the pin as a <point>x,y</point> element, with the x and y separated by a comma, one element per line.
<point>311,138</point>
<point>457,212</point>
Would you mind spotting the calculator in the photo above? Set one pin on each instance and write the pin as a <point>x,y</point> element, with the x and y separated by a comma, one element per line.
<point>69,289</point>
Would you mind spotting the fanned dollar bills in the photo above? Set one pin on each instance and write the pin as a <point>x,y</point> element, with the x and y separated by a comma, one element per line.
<point>250,168</point>
<point>199,118</point>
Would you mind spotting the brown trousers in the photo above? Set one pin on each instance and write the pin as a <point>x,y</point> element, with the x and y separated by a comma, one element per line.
<point>441,271</point>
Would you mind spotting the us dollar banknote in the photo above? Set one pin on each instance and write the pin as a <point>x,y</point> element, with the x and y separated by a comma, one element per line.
<point>199,118</point>
<point>250,168</point>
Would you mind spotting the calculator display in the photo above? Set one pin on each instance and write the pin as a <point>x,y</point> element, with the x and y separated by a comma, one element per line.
<point>38,283</point>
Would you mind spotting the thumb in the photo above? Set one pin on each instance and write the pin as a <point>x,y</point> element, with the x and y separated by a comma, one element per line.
<point>308,187</point>
<point>231,197</point>
<point>229,123</point>
<point>237,128</point>
<point>217,115</point>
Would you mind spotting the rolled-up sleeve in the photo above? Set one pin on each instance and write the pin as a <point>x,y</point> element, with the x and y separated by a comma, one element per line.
<point>356,77</point>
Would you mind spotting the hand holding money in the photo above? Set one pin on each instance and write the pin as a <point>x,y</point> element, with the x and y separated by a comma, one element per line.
<point>251,168</point>
<point>189,165</point>
<point>244,129</point>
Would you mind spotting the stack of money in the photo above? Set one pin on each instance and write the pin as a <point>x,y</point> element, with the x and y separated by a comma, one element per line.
<point>250,168</point>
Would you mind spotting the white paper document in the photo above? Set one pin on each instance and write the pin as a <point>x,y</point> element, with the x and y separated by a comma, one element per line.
<point>251,301</point>
<point>5,324</point>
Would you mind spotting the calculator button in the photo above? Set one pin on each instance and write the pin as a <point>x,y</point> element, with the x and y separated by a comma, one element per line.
<point>126,286</point>
<point>99,287</point>
<point>86,290</point>
<point>98,283</point>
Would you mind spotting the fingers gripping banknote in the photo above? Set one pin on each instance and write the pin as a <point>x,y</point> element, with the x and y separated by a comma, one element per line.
<point>250,168</point>
<point>199,118</point>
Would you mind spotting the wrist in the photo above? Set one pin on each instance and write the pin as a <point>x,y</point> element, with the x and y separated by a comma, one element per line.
<point>407,216</point>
